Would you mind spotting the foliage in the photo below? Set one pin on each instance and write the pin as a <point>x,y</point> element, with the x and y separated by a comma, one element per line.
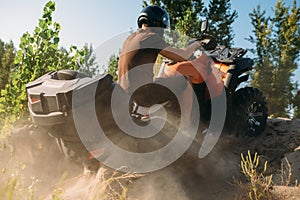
<point>260,185</point>
<point>221,19</point>
<point>113,66</point>
<point>14,186</point>
<point>262,76</point>
<point>188,22</point>
<point>178,9</point>
<point>7,55</point>
<point>10,189</point>
<point>56,195</point>
<point>187,27</point>
<point>287,49</point>
<point>277,41</point>
<point>185,18</point>
<point>39,53</point>
<point>88,64</point>
<point>296,104</point>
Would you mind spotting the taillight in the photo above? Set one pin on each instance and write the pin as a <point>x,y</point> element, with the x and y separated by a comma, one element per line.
<point>35,99</point>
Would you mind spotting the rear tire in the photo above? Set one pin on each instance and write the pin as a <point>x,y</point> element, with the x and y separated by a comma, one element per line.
<point>76,152</point>
<point>72,147</point>
<point>250,111</point>
<point>67,148</point>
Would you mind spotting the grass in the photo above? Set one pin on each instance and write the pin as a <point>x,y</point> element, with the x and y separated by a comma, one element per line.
<point>286,173</point>
<point>113,187</point>
<point>13,187</point>
<point>103,186</point>
<point>4,138</point>
<point>259,186</point>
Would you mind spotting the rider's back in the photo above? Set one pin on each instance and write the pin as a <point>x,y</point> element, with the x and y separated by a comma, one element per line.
<point>139,51</point>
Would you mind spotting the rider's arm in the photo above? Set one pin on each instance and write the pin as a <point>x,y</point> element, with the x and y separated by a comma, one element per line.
<point>179,55</point>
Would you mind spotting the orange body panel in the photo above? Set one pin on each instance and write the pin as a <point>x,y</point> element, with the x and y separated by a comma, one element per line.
<point>200,70</point>
<point>223,68</point>
<point>197,69</point>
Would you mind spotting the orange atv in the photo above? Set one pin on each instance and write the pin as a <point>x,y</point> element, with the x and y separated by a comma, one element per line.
<point>54,98</point>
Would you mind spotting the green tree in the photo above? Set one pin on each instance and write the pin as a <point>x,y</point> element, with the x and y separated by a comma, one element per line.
<point>39,53</point>
<point>287,47</point>
<point>88,64</point>
<point>297,105</point>
<point>7,55</point>
<point>185,17</point>
<point>263,74</point>
<point>180,10</point>
<point>113,66</point>
<point>221,19</point>
<point>187,25</point>
<point>277,41</point>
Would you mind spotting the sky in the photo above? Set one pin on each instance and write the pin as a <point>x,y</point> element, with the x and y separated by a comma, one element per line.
<point>104,24</point>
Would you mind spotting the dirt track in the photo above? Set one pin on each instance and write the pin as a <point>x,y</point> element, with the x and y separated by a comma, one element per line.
<point>187,178</point>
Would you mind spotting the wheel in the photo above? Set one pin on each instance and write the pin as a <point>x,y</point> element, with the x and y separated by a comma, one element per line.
<point>76,152</point>
<point>250,111</point>
<point>67,148</point>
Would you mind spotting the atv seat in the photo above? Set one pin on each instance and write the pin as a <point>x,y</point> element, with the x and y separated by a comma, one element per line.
<point>67,74</point>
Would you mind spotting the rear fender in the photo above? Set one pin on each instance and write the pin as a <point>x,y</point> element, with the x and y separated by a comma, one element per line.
<point>239,67</point>
<point>243,65</point>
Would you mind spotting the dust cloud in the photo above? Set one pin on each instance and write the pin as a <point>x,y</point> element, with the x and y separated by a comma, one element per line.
<point>34,154</point>
<point>36,157</point>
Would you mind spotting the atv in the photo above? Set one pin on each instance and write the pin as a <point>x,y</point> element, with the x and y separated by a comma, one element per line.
<point>51,100</point>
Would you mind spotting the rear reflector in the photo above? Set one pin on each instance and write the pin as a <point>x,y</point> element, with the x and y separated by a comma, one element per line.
<point>35,99</point>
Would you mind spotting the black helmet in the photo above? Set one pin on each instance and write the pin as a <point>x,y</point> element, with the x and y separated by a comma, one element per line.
<point>154,16</point>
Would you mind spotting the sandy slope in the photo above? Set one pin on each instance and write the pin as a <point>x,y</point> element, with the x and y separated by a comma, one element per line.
<point>187,178</point>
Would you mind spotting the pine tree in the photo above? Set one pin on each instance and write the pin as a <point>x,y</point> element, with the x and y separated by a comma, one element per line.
<point>297,105</point>
<point>188,25</point>
<point>179,10</point>
<point>277,41</point>
<point>221,19</point>
<point>262,77</point>
<point>185,17</point>
<point>287,47</point>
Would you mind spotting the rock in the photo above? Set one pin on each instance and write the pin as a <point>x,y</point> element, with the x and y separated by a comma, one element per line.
<point>290,171</point>
<point>296,123</point>
<point>284,192</point>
